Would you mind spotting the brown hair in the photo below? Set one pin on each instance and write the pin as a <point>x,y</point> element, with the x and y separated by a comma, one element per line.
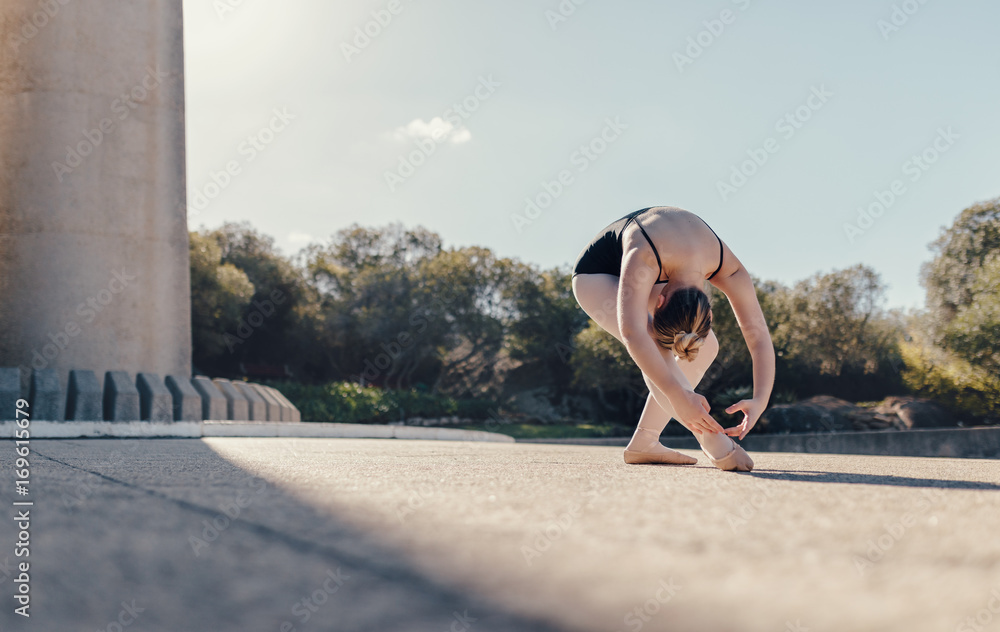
<point>683,322</point>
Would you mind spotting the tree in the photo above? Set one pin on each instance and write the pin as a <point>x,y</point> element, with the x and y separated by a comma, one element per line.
<point>602,366</point>
<point>961,281</point>
<point>373,326</point>
<point>541,330</point>
<point>276,323</point>
<point>220,292</point>
<point>961,252</point>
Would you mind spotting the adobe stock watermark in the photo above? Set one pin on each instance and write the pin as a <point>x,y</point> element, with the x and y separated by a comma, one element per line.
<point>305,608</point>
<point>899,17</point>
<point>414,502</point>
<point>878,546</point>
<point>460,622</point>
<point>581,158</point>
<point>787,126</point>
<point>88,311</point>
<point>449,127</point>
<point>395,347</point>
<point>913,170</point>
<point>126,617</point>
<point>31,26</point>
<point>121,109</point>
<point>224,7</point>
<point>638,617</point>
<point>980,621</point>
<point>249,148</point>
<point>230,512</point>
<point>562,12</point>
<point>751,505</point>
<point>541,540</point>
<point>365,34</point>
<point>698,43</point>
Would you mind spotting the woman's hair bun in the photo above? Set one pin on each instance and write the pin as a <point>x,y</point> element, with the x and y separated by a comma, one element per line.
<point>686,345</point>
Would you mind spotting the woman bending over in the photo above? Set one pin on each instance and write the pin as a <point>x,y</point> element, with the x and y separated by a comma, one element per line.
<point>641,279</point>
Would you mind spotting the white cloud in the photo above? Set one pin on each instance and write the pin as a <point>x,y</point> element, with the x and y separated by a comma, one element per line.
<point>437,129</point>
<point>299,238</point>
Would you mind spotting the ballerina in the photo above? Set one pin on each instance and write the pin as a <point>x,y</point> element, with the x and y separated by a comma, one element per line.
<point>666,326</point>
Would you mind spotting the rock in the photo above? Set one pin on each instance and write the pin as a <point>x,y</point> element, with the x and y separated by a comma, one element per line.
<point>914,412</point>
<point>816,414</point>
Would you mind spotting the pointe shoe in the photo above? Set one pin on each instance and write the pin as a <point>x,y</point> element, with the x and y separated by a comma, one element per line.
<point>736,460</point>
<point>667,457</point>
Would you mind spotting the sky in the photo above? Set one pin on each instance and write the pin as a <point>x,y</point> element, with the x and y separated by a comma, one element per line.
<point>810,136</point>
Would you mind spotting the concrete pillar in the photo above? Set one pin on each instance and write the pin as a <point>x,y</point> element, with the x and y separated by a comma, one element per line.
<point>93,233</point>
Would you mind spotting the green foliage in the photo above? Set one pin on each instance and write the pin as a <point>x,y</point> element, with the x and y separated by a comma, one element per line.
<point>249,302</point>
<point>962,252</point>
<point>974,331</point>
<point>934,373</point>
<point>220,293</point>
<point>602,366</point>
<point>544,321</point>
<point>348,402</point>
<point>384,323</point>
<point>835,322</point>
<point>957,359</point>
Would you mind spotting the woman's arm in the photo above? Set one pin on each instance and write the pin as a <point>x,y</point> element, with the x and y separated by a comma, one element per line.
<point>738,288</point>
<point>636,283</point>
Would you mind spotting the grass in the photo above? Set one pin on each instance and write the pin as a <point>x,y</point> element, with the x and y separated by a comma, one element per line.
<point>553,431</point>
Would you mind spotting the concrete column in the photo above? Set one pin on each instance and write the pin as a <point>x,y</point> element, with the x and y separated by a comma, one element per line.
<point>94,268</point>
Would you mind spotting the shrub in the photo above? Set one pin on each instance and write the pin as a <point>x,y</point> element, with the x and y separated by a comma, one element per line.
<point>348,402</point>
<point>939,375</point>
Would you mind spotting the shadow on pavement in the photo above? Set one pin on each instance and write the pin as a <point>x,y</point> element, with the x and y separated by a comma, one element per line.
<point>807,476</point>
<point>167,535</point>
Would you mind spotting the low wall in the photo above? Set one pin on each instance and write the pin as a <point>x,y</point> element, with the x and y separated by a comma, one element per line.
<point>965,443</point>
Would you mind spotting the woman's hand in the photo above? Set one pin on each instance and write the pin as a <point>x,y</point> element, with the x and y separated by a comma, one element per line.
<point>691,409</point>
<point>752,410</point>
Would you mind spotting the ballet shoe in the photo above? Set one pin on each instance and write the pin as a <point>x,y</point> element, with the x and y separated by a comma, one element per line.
<point>736,460</point>
<point>667,457</point>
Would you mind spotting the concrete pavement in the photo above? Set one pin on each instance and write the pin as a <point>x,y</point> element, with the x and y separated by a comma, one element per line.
<point>365,534</point>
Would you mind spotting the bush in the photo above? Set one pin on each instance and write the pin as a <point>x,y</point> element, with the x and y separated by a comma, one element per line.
<point>348,402</point>
<point>936,374</point>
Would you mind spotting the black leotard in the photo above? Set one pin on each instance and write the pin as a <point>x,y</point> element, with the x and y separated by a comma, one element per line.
<point>604,254</point>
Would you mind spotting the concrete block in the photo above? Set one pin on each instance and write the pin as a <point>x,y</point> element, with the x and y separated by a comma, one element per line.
<point>121,397</point>
<point>288,410</point>
<point>46,396</point>
<point>10,392</point>
<point>213,402</point>
<point>186,399</point>
<point>155,401</point>
<point>291,413</point>
<point>256,405</point>
<point>273,406</point>
<point>84,397</point>
<point>286,413</point>
<point>237,407</point>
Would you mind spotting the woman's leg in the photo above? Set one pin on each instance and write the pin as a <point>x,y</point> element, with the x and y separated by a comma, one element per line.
<point>658,410</point>
<point>597,294</point>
